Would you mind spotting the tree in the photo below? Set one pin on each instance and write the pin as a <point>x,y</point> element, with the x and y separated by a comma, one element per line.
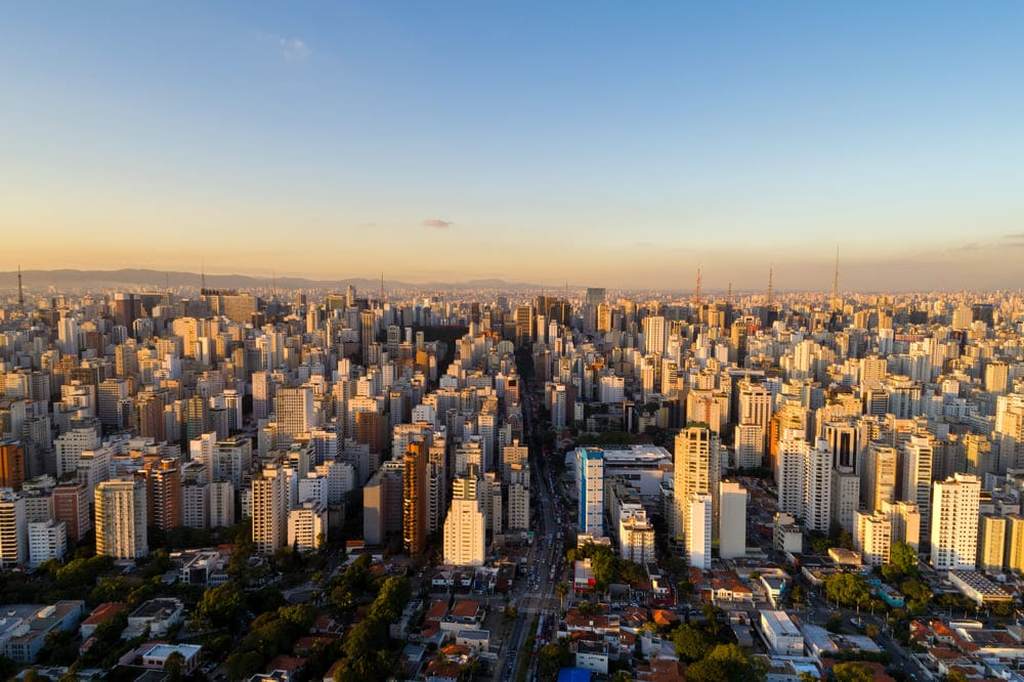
<point>553,657</point>
<point>847,589</point>
<point>174,666</point>
<point>902,562</point>
<point>852,671</point>
<point>725,662</point>
<point>220,606</point>
<point>690,643</point>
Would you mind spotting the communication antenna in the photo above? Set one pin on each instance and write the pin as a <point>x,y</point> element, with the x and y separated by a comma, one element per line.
<point>728,296</point>
<point>202,275</point>
<point>21,291</point>
<point>382,290</point>
<point>835,282</point>
<point>696,290</point>
<point>771,290</point>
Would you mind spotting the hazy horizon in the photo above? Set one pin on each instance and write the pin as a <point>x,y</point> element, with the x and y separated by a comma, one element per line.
<point>613,145</point>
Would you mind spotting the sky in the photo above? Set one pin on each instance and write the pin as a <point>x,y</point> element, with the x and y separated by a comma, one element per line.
<point>599,143</point>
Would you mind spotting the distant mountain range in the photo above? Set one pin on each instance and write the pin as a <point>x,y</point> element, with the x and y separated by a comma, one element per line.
<point>159,280</point>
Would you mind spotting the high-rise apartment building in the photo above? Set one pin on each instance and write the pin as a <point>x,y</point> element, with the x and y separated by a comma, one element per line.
<point>905,518</point>
<point>12,464</point>
<point>954,523</point>
<point>464,533</point>
<point>307,526</point>
<point>120,513</point>
<point>696,471</point>
<point>732,520</point>
<point>991,543</point>
<point>71,507</point>
<point>879,476</point>
<point>269,509</point>
<point>817,502</point>
<point>872,537</point>
<point>414,498</point>
<point>917,456</point>
<point>590,487</point>
<point>13,529</point>
<point>699,522</point>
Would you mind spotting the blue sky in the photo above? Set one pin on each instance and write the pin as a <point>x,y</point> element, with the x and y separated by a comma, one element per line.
<point>616,143</point>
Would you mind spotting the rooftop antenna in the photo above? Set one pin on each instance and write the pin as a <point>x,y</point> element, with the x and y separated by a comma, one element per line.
<point>21,291</point>
<point>771,289</point>
<point>696,291</point>
<point>728,296</point>
<point>382,290</point>
<point>202,275</point>
<point>835,282</point>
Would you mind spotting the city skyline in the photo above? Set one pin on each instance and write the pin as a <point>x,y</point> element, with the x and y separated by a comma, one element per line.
<point>533,144</point>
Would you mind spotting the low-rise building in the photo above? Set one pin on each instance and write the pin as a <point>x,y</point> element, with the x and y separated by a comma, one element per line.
<point>781,634</point>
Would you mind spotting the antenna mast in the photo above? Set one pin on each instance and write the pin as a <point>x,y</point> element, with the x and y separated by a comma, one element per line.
<point>21,292</point>
<point>771,290</point>
<point>835,283</point>
<point>696,291</point>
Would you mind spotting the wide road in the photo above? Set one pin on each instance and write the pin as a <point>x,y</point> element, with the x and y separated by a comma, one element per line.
<point>534,594</point>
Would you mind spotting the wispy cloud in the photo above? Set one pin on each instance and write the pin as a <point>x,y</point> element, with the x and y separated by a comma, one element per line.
<point>437,223</point>
<point>293,49</point>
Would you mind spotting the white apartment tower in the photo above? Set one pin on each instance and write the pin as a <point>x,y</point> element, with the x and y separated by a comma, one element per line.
<point>698,530</point>
<point>872,537</point>
<point>917,476</point>
<point>464,534</point>
<point>954,523</point>
<point>817,501</point>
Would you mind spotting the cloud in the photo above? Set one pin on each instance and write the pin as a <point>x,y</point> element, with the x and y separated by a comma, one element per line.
<point>293,49</point>
<point>437,223</point>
